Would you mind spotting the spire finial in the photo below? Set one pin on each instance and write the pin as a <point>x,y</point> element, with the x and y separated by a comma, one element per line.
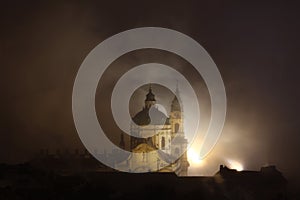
<point>177,89</point>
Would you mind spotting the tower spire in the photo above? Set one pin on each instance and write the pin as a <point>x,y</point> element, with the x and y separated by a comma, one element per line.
<point>175,106</point>
<point>150,98</point>
<point>177,89</point>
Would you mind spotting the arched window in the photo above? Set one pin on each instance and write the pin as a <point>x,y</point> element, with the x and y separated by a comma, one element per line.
<point>176,128</point>
<point>163,142</point>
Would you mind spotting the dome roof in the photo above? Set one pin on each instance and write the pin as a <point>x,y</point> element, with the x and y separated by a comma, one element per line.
<point>143,118</point>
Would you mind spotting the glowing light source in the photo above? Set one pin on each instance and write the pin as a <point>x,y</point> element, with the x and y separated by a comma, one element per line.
<point>235,165</point>
<point>194,157</point>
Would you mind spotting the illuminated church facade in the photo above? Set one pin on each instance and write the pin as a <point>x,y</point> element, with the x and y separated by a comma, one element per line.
<point>162,137</point>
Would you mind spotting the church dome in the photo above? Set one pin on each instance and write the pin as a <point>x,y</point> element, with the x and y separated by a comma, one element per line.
<point>150,116</point>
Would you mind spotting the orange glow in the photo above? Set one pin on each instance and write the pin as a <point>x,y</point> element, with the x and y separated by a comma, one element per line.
<point>235,165</point>
<point>194,157</point>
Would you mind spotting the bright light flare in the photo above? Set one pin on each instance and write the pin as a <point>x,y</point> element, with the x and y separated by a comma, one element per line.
<point>194,157</point>
<point>235,165</point>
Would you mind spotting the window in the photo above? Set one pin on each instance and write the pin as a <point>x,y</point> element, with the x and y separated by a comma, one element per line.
<point>176,128</point>
<point>163,142</point>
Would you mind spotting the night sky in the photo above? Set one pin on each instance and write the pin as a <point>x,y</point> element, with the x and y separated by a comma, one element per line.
<point>254,44</point>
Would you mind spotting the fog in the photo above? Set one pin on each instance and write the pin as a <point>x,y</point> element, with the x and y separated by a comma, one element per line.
<point>43,44</point>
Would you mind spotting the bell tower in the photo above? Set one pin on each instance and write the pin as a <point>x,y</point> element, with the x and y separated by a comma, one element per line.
<point>179,146</point>
<point>176,115</point>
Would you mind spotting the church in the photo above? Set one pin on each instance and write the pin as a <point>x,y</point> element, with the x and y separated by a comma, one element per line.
<point>157,138</point>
